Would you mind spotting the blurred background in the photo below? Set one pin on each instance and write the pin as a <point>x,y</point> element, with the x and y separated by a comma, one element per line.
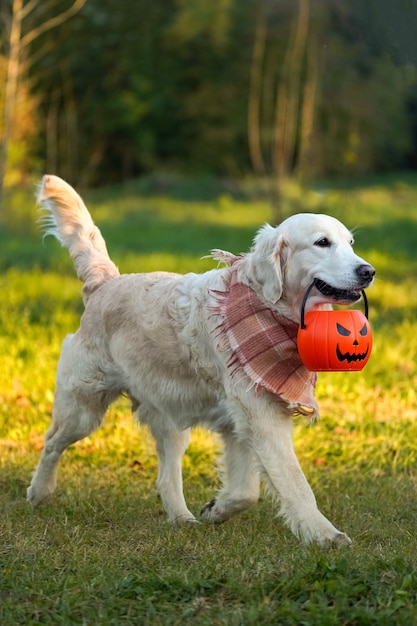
<point>103,91</point>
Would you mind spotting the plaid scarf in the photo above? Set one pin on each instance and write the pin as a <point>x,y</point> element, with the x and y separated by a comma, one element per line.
<point>264,346</point>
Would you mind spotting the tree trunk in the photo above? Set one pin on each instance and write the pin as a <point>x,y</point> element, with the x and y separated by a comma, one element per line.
<point>289,107</point>
<point>255,91</point>
<point>308,110</point>
<point>12,76</point>
<point>18,43</point>
<point>289,96</point>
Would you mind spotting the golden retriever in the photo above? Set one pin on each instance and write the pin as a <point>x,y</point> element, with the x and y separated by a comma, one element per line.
<point>201,349</point>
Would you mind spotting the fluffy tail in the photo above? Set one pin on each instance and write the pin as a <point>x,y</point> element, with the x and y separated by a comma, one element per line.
<point>68,219</point>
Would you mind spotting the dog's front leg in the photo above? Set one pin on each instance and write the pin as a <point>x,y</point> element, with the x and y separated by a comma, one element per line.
<point>272,441</point>
<point>171,445</point>
<point>240,481</point>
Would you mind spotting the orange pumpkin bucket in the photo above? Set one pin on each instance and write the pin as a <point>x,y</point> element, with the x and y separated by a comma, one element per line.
<point>334,341</point>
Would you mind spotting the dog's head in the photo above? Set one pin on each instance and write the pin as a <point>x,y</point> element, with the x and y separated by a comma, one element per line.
<point>285,260</point>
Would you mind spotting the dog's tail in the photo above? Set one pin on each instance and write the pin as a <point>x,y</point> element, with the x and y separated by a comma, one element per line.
<point>68,219</point>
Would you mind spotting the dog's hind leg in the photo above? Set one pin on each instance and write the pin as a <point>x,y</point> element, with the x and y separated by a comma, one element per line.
<point>241,482</point>
<point>78,410</point>
<point>72,420</point>
<point>171,445</point>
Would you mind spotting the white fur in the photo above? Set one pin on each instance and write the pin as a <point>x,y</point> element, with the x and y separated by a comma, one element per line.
<point>152,336</point>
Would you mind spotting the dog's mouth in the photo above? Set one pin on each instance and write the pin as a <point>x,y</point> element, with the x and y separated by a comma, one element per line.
<point>339,295</point>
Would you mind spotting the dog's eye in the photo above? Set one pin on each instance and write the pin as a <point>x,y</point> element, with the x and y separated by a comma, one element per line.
<point>323,243</point>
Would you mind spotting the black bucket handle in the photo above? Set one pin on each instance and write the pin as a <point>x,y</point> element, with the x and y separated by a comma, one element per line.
<point>307,293</point>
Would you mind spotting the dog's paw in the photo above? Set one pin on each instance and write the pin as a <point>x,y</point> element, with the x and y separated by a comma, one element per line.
<point>223,508</point>
<point>333,538</point>
<point>341,540</point>
<point>35,499</point>
<point>209,512</point>
<point>184,520</point>
<point>215,512</point>
<point>338,541</point>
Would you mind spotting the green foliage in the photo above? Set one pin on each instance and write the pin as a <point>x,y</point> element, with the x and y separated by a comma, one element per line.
<point>130,87</point>
<point>101,552</point>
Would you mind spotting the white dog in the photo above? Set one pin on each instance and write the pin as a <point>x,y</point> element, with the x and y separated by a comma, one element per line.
<point>217,348</point>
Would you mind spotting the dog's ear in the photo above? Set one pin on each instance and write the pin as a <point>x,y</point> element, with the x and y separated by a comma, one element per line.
<point>265,264</point>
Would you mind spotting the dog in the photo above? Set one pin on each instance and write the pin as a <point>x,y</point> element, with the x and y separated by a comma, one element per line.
<point>216,348</point>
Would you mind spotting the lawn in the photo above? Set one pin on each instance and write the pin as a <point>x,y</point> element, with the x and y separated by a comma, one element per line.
<point>100,551</point>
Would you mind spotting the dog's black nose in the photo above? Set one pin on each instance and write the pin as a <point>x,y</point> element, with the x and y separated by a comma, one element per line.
<point>366,272</point>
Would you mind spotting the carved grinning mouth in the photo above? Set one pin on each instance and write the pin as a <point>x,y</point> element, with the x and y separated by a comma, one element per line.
<point>341,295</point>
<point>349,357</point>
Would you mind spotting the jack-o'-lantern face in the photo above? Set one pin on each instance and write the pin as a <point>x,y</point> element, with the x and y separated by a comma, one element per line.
<point>335,340</point>
<point>351,346</point>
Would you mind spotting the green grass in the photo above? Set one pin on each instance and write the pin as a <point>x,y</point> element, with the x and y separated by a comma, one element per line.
<point>101,552</point>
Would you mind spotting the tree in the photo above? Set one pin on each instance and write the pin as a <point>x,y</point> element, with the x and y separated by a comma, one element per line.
<point>286,89</point>
<point>18,37</point>
<point>282,96</point>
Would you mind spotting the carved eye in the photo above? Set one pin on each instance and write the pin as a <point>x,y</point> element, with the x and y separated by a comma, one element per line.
<point>323,243</point>
<point>342,330</point>
<point>364,330</point>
